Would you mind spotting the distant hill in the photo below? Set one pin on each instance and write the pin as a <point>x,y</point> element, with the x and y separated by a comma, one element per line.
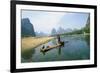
<point>88,22</point>
<point>85,29</point>
<point>27,29</point>
<point>53,32</point>
<point>60,31</point>
<point>40,34</point>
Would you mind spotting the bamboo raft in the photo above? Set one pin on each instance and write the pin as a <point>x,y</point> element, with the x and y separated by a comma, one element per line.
<point>49,48</point>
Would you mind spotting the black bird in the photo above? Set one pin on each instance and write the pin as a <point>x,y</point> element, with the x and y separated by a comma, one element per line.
<point>43,47</point>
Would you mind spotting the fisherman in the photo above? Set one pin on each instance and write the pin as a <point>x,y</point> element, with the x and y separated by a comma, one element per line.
<point>58,39</point>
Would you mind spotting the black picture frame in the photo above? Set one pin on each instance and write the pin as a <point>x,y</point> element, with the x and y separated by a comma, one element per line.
<point>13,35</point>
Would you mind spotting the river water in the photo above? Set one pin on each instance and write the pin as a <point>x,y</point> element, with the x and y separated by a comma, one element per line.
<point>76,47</point>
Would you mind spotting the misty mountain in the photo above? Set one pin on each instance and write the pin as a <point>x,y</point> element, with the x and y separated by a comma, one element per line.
<point>40,34</point>
<point>60,31</point>
<point>53,32</point>
<point>87,26</point>
<point>88,22</point>
<point>27,29</point>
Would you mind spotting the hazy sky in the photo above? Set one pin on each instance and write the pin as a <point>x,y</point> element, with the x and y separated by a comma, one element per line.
<point>45,21</point>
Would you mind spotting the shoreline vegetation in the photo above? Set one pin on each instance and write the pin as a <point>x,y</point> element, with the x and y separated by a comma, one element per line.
<point>32,42</point>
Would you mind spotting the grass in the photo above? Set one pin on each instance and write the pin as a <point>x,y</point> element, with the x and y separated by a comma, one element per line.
<point>33,42</point>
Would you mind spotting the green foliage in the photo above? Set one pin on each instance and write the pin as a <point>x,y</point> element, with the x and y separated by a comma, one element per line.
<point>87,29</point>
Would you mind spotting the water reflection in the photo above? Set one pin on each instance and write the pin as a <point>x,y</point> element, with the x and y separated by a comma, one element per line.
<point>27,55</point>
<point>59,50</point>
<point>87,39</point>
<point>74,48</point>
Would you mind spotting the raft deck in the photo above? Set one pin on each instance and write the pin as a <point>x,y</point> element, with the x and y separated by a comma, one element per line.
<point>49,48</point>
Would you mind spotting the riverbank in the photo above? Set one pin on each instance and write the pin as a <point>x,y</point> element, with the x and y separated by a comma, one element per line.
<point>32,42</point>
